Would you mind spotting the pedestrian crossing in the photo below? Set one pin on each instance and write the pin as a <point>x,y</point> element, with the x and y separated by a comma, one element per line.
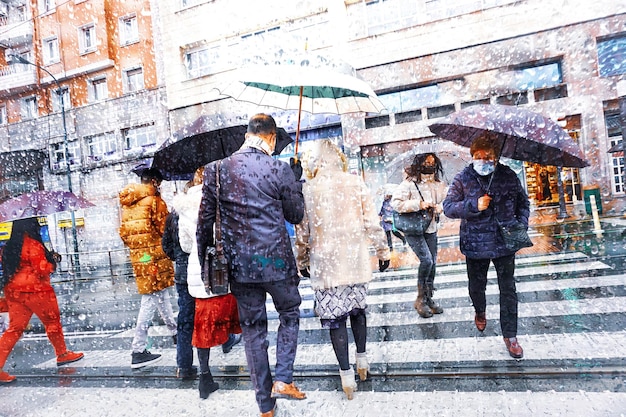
<point>571,314</point>
<point>390,301</point>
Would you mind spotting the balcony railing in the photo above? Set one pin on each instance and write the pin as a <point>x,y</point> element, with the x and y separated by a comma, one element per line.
<point>15,30</point>
<point>16,76</point>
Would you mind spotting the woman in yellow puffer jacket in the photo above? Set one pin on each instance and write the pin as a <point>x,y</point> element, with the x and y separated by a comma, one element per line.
<point>143,222</point>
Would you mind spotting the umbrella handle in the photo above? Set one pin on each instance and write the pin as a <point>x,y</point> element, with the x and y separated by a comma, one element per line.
<point>299,116</point>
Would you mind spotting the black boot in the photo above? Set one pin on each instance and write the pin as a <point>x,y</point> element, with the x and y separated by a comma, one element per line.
<point>420,303</point>
<point>434,307</point>
<point>207,385</point>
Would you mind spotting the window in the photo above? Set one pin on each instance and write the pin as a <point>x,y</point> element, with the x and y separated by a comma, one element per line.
<point>102,147</point>
<point>56,99</point>
<point>616,160</point>
<point>98,89</point>
<point>414,99</point>
<point>3,115</point>
<point>377,121</point>
<point>198,62</point>
<point>129,33</point>
<point>612,56</point>
<point>139,140</point>
<point>57,157</point>
<point>133,79</point>
<point>87,36</point>
<point>189,3</point>
<point>50,50</point>
<point>46,6</point>
<point>29,108</point>
<point>538,76</point>
<point>409,116</point>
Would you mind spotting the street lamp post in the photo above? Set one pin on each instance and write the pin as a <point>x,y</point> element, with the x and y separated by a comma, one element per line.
<point>66,151</point>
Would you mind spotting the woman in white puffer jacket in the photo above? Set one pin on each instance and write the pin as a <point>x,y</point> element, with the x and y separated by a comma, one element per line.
<point>216,320</point>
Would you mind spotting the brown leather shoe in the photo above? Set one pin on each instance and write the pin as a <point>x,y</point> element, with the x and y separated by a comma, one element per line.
<point>480,320</point>
<point>288,391</point>
<point>268,414</point>
<point>515,350</point>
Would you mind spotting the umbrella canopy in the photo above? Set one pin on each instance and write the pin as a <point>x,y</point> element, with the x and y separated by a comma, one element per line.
<point>618,147</point>
<point>41,203</point>
<point>323,91</point>
<point>520,134</point>
<point>192,147</point>
<point>302,88</point>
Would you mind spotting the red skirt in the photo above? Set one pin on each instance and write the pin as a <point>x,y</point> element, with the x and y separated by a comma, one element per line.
<point>215,319</point>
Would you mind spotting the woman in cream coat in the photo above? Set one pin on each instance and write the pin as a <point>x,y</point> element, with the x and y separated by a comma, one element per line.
<point>332,245</point>
<point>423,189</point>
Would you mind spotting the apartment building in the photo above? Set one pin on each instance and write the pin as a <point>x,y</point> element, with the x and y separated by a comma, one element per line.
<point>97,57</point>
<point>425,59</point>
<point>131,72</point>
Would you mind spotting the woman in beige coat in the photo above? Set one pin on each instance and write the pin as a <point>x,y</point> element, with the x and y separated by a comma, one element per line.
<point>423,189</point>
<point>340,222</point>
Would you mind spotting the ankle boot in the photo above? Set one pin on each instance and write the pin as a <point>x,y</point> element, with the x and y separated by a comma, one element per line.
<point>347,382</point>
<point>362,365</point>
<point>420,303</point>
<point>207,385</point>
<point>434,307</point>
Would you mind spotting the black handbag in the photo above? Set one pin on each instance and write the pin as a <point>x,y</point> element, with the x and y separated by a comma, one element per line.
<point>414,222</point>
<point>515,235</point>
<point>216,269</point>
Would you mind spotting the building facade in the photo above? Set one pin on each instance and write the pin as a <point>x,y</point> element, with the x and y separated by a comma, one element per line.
<point>132,72</point>
<point>425,60</point>
<point>96,57</point>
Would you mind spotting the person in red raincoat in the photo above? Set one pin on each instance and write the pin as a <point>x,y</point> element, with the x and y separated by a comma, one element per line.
<point>27,265</point>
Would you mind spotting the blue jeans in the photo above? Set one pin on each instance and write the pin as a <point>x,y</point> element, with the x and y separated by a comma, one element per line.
<point>425,248</point>
<point>253,318</point>
<point>186,312</point>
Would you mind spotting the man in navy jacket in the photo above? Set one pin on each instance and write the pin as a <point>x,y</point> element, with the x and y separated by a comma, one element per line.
<point>257,194</point>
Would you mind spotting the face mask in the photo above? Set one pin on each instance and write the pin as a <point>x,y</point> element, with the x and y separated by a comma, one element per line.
<point>428,169</point>
<point>484,167</point>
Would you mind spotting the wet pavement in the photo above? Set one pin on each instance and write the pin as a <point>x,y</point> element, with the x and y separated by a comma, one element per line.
<point>572,328</point>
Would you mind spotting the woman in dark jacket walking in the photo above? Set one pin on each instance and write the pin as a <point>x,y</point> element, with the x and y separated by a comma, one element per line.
<point>480,195</point>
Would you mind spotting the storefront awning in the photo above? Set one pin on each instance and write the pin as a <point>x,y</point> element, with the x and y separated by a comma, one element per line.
<point>19,162</point>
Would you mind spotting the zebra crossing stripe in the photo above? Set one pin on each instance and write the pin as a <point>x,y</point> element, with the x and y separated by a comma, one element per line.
<point>400,296</point>
<point>557,347</point>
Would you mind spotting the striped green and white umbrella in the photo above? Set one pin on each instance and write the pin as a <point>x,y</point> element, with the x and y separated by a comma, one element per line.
<point>291,87</point>
<point>323,91</point>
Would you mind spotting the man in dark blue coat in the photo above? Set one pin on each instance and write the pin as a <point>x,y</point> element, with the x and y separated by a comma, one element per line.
<point>482,194</point>
<point>257,194</point>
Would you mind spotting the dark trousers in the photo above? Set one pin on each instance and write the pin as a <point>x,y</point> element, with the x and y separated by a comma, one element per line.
<point>186,313</point>
<point>253,318</point>
<point>505,270</point>
<point>396,234</point>
<point>425,248</point>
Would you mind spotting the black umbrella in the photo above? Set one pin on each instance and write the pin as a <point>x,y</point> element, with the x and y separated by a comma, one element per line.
<point>191,147</point>
<point>520,134</point>
<point>618,147</point>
